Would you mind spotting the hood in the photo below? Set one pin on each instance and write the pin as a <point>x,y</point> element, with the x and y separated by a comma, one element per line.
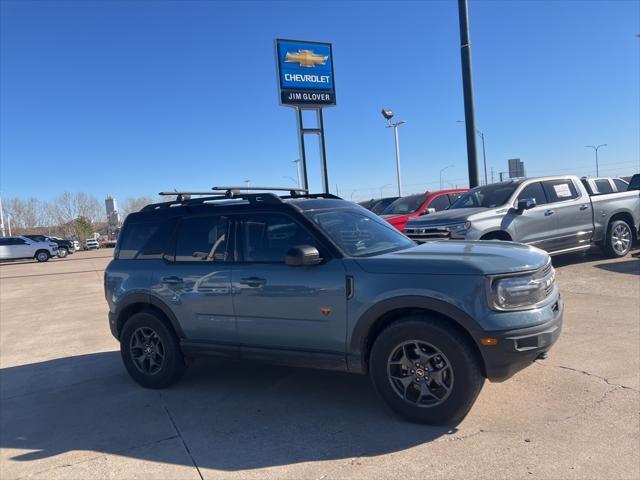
<point>446,217</point>
<point>449,257</point>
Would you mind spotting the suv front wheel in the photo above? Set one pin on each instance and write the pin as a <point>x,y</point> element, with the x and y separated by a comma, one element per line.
<point>425,371</point>
<point>151,351</point>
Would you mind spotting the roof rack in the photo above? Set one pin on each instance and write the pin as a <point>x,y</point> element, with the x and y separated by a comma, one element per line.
<point>235,193</point>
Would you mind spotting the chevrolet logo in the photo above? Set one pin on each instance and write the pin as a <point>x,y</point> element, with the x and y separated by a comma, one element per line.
<point>306,58</point>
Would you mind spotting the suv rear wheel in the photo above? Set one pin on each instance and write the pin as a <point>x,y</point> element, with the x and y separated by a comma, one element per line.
<point>62,252</point>
<point>151,351</point>
<point>425,371</point>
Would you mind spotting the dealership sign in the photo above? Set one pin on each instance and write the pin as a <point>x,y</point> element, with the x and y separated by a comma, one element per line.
<point>305,73</point>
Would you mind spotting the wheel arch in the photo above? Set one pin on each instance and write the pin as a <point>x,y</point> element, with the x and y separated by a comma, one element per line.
<point>138,302</point>
<point>497,235</point>
<point>628,218</point>
<point>383,314</point>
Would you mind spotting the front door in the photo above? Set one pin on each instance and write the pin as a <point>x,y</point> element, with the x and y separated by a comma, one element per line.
<point>196,281</point>
<point>536,226</point>
<point>282,308</point>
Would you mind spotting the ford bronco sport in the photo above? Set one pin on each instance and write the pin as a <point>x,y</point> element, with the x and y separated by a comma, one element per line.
<point>317,281</point>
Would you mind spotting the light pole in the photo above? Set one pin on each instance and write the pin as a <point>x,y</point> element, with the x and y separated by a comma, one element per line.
<point>297,162</point>
<point>248,182</point>
<point>382,188</point>
<point>442,170</point>
<point>1,218</point>
<point>388,115</point>
<point>595,149</point>
<point>484,153</point>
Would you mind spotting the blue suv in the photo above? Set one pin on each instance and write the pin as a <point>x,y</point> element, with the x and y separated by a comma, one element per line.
<point>317,281</point>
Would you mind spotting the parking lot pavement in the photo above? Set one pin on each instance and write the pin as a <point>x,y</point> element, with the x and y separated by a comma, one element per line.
<point>69,410</point>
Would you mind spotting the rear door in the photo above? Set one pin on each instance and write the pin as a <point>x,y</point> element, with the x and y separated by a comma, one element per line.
<point>536,226</point>
<point>573,212</point>
<point>195,279</point>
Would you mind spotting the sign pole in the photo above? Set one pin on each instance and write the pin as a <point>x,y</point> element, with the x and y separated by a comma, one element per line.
<point>303,154</point>
<point>323,152</point>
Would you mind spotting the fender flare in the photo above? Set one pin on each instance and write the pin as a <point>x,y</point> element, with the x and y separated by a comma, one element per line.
<point>365,324</point>
<point>146,299</point>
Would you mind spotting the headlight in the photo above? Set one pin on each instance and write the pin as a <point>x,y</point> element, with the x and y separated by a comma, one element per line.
<point>520,292</point>
<point>460,226</point>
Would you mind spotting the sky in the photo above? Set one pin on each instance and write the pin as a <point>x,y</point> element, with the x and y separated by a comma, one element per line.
<point>131,98</point>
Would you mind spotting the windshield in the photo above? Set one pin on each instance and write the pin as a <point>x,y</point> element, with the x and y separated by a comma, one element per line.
<point>489,196</point>
<point>382,204</point>
<point>359,233</point>
<point>405,205</point>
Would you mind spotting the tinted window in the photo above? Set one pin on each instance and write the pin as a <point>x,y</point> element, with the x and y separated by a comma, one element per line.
<point>143,240</point>
<point>37,238</point>
<point>202,239</point>
<point>534,191</point>
<point>454,196</point>
<point>440,203</point>
<point>17,241</point>
<point>405,205</point>
<point>268,237</point>
<point>603,186</point>
<point>621,185</point>
<point>4,241</point>
<point>359,233</point>
<point>560,190</point>
<point>488,196</point>
<point>382,204</point>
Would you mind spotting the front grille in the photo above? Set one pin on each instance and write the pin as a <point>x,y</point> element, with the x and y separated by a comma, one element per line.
<point>424,234</point>
<point>546,275</point>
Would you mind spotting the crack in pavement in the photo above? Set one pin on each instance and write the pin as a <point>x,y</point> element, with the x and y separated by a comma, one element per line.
<point>589,374</point>
<point>102,455</point>
<point>179,434</point>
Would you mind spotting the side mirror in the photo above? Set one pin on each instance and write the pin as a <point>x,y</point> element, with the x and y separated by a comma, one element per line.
<point>302,256</point>
<point>428,211</point>
<point>526,204</point>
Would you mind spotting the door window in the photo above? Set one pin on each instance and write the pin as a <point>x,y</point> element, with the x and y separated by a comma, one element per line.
<point>441,202</point>
<point>202,239</point>
<point>534,191</point>
<point>560,190</point>
<point>143,241</point>
<point>604,186</point>
<point>621,185</point>
<point>268,237</point>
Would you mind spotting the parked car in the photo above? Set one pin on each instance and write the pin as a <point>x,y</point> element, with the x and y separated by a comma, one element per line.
<point>76,245</point>
<point>603,185</point>
<point>317,281</point>
<point>65,247</point>
<point>377,205</point>
<point>13,248</point>
<point>553,213</point>
<point>404,209</point>
<point>91,244</point>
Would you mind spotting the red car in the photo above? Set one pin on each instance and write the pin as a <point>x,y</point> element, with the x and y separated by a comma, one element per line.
<point>406,208</point>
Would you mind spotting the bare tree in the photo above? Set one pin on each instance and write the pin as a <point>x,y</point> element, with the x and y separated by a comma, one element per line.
<point>65,209</point>
<point>25,213</point>
<point>134,204</point>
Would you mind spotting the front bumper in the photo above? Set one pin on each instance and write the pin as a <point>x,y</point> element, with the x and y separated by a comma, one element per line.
<point>518,348</point>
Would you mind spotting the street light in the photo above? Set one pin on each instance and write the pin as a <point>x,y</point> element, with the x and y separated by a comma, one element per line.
<point>382,188</point>
<point>595,149</point>
<point>484,153</point>
<point>388,115</point>
<point>297,162</point>
<point>248,182</point>
<point>442,170</point>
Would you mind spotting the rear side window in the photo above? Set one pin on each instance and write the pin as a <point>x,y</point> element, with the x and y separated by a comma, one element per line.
<point>534,191</point>
<point>202,239</point>
<point>560,190</point>
<point>144,241</point>
<point>441,202</point>
<point>604,186</point>
<point>621,185</point>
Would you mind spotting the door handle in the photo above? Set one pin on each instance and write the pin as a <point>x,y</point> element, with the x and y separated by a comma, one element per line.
<point>253,282</point>
<point>172,280</point>
<point>549,212</point>
<point>584,207</point>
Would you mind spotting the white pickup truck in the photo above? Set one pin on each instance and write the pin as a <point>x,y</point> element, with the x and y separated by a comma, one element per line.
<point>556,214</point>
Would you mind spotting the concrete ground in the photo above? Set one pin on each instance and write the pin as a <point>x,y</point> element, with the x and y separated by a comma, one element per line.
<point>69,410</point>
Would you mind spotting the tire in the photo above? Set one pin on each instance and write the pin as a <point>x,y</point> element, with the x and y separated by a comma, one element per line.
<point>619,239</point>
<point>171,362</point>
<point>42,256</point>
<point>453,372</point>
<point>62,252</point>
